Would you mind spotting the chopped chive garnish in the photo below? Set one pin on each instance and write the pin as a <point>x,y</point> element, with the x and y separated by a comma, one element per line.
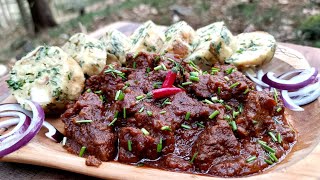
<point>162,112</point>
<point>268,161</point>
<point>124,113</point>
<point>88,90</point>
<point>234,84</point>
<point>214,99</point>
<point>116,114</point>
<point>98,92</point>
<point>163,66</point>
<point>193,157</point>
<point>119,96</point>
<point>273,137</point>
<point>266,147</point>
<point>226,78</point>
<point>233,125</point>
<point>196,74</point>
<point>229,70</point>
<point>185,126</point>
<point>279,138</point>
<point>227,117</point>
<point>139,97</point>
<point>214,70</point>
<point>228,107</point>
<point>254,122</point>
<point>102,98</point>
<point>275,95</point>
<point>186,83</point>
<point>273,157</point>
<point>157,85</point>
<point>112,122</point>
<point>251,159</point>
<point>180,86</point>
<point>235,114</point>
<point>219,90</point>
<point>145,132</point>
<point>246,91</point>
<point>84,121</point>
<point>187,116</point>
<point>193,78</point>
<point>149,113</point>
<point>141,109</point>
<point>83,149</point>
<point>240,107</point>
<point>166,101</point>
<point>64,141</point>
<point>214,114</point>
<point>200,124</point>
<point>140,164</point>
<point>194,66</point>
<point>157,68</point>
<point>134,65</point>
<point>279,109</point>
<point>208,101</point>
<point>148,69</point>
<point>165,128</point>
<point>129,145</point>
<point>159,146</point>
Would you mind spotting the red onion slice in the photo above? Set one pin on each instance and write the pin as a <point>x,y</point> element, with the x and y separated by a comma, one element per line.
<point>23,124</point>
<point>19,140</point>
<point>255,80</point>
<point>305,90</point>
<point>302,81</point>
<point>287,101</point>
<point>307,99</point>
<point>290,74</point>
<point>14,107</point>
<point>53,133</point>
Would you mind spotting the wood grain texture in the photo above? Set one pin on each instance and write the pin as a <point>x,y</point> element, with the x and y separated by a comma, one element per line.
<point>301,163</point>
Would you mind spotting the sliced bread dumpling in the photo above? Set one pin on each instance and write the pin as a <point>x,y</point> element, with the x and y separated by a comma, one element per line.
<point>117,45</point>
<point>179,40</point>
<point>223,43</point>
<point>253,48</point>
<point>48,76</point>
<point>202,56</point>
<point>147,38</point>
<point>89,52</point>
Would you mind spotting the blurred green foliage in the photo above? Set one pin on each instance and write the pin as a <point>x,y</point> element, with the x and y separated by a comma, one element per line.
<point>310,30</point>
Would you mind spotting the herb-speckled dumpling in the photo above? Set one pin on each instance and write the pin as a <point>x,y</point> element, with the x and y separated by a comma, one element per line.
<point>90,53</point>
<point>147,38</point>
<point>48,76</point>
<point>117,45</point>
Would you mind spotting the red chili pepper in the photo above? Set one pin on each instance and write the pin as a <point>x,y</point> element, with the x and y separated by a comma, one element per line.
<point>163,92</point>
<point>170,78</point>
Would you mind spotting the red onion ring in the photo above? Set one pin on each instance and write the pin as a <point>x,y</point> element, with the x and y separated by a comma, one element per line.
<point>287,101</point>
<point>303,81</point>
<point>23,123</point>
<point>19,140</point>
<point>256,80</point>
<point>290,73</point>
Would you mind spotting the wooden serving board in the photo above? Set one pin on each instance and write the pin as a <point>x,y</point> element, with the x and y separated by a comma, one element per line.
<point>301,163</point>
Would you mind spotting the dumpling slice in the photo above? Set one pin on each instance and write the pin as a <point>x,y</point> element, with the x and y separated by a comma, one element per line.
<point>147,38</point>
<point>253,48</point>
<point>179,40</point>
<point>46,75</point>
<point>90,53</point>
<point>117,45</point>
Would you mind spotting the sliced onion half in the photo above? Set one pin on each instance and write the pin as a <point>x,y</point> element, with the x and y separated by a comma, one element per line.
<point>303,79</point>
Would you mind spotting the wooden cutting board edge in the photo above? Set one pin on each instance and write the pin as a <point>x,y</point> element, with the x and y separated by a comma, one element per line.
<point>40,151</point>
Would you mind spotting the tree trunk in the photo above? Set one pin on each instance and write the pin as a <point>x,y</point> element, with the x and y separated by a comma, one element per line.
<point>28,25</point>
<point>41,15</point>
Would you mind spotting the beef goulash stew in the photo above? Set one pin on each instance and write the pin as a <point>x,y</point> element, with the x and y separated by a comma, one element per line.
<point>165,113</point>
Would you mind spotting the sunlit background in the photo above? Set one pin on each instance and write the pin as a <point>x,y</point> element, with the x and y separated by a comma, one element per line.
<point>24,24</point>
